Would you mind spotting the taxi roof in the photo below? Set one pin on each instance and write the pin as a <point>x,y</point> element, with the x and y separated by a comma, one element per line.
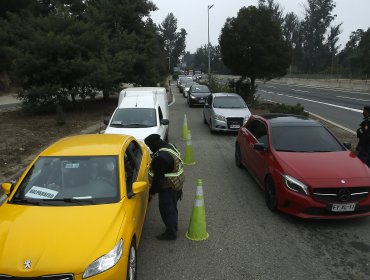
<point>88,145</point>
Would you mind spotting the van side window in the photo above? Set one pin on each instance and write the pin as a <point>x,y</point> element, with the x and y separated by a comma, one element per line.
<point>160,113</point>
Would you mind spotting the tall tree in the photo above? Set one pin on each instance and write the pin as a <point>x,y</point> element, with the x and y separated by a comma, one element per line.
<point>77,47</point>
<point>350,56</point>
<point>317,20</point>
<point>332,46</point>
<point>364,47</point>
<point>275,8</point>
<point>291,27</point>
<point>252,45</point>
<point>174,42</point>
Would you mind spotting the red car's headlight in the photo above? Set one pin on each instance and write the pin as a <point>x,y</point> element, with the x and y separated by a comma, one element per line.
<point>295,185</point>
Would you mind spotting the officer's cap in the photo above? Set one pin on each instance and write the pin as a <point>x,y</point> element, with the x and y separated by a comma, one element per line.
<point>152,139</point>
<point>367,109</point>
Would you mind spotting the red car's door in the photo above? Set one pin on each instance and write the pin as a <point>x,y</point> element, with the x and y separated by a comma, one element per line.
<point>256,159</point>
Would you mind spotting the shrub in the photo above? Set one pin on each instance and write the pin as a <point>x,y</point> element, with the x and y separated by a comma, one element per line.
<point>297,109</point>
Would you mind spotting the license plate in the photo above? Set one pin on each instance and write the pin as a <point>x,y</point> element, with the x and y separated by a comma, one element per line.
<point>201,101</point>
<point>234,126</point>
<point>347,207</point>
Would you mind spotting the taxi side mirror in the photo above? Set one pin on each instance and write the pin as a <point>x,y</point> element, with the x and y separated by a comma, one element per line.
<point>139,187</point>
<point>7,188</point>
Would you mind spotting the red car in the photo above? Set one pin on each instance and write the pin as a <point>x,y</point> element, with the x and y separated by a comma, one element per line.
<point>303,168</point>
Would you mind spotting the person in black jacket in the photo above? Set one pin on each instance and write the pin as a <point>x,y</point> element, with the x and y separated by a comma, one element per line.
<point>163,163</point>
<point>363,134</point>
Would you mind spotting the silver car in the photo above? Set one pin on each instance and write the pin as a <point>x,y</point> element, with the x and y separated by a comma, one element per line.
<point>225,112</point>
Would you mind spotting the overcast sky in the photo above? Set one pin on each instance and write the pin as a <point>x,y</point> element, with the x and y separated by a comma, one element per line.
<point>192,16</point>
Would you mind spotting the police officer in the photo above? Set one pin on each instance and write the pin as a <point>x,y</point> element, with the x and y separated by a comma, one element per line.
<point>167,179</point>
<point>363,134</point>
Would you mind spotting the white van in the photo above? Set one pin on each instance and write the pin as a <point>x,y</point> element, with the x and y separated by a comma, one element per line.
<point>141,111</point>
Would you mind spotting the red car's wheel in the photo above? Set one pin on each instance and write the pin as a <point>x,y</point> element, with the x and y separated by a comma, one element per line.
<point>270,194</point>
<point>238,159</point>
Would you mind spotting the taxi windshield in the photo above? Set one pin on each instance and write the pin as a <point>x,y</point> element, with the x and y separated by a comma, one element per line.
<point>70,180</point>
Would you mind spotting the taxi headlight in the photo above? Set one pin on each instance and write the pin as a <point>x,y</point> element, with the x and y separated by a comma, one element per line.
<point>192,96</point>
<point>105,262</point>
<point>219,118</point>
<point>295,185</point>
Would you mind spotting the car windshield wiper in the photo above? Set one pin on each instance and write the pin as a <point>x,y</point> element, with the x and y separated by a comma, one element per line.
<point>116,123</point>
<point>136,125</point>
<point>71,200</point>
<point>24,201</point>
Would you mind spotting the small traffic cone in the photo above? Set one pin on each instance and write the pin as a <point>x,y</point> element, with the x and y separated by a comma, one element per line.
<point>189,160</point>
<point>197,226</point>
<point>184,135</point>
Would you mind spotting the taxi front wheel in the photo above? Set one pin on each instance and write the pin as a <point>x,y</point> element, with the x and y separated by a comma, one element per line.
<point>132,262</point>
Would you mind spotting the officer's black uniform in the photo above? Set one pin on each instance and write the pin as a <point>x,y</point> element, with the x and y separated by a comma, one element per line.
<point>363,134</point>
<point>161,164</point>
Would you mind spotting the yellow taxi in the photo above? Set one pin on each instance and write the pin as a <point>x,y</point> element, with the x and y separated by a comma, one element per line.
<point>77,212</point>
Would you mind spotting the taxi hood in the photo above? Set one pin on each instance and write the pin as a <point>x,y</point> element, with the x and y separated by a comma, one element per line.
<point>56,239</point>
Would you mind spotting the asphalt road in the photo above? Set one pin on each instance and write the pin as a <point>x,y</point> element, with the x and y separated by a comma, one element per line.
<point>246,240</point>
<point>340,106</point>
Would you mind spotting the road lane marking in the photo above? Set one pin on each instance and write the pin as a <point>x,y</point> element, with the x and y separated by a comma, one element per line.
<point>270,86</point>
<point>299,90</point>
<point>319,102</point>
<point>358,99</point>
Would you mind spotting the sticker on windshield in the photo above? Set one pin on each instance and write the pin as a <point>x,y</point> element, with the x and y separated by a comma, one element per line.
<point>72,165</point>
<point>41,193</point>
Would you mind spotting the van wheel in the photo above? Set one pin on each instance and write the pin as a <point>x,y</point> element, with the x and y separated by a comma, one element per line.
<point>166,137</point>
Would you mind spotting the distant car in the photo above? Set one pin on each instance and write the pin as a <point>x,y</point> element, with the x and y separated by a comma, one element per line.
<point>197,95</point>
<point>225,112</point>
<point>77,211</point>
<point>182,81</point>
<point>197,75</point>
<point>186,87</point>
<point>303,168</point>
<point>178,80</point>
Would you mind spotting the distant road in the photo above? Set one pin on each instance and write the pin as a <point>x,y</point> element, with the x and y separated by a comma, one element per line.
<point>341,106</point>
<point>9,101</point>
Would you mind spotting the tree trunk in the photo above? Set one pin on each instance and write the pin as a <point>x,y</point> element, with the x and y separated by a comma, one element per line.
<point>105,94</point>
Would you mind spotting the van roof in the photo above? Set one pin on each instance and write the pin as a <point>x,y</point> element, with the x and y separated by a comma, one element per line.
<point>138,101</point>
<point>143,90</point>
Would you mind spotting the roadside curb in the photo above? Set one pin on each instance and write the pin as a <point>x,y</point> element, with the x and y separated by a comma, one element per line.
<point>333,123</point>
